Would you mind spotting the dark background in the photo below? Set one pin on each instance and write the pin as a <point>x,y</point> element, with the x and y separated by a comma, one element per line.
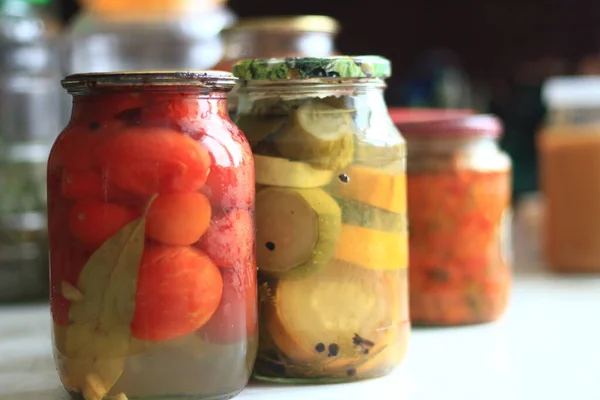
<point>505,48</point>
<point>493,38</point>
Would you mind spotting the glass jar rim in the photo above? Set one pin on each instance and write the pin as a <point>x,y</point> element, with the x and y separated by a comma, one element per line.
<point>299,68</point>
<point>449,126</point>
<point>286,23</point>
<point>210,80</point>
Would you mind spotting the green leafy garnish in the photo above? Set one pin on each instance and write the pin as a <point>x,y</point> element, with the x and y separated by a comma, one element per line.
<point>99,334</point>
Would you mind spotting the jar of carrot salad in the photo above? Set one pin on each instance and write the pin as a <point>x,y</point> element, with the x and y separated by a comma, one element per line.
<point>459,216</point>
<point>331,217</point>
<point>151,227</point>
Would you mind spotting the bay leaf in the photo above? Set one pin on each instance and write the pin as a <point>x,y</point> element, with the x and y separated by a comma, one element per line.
<point>99,334</point>
<point>93,383</point>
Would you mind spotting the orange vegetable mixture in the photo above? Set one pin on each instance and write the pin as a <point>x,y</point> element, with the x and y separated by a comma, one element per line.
<point>459,273</point>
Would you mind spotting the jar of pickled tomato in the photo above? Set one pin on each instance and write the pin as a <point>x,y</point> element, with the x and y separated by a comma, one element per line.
<point>459,217</point>
<point>151,228</point>
<point>331,217</point>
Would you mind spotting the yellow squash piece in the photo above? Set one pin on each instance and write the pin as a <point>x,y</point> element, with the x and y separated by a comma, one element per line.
<point>361,214</point>
<point>380,187</point>
<point>275,171</point>
<point>297,230</point>
<point>340,321</point>
<point>376,250</point>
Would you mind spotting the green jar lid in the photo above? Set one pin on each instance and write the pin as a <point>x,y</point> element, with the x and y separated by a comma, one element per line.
<point>311,67</point>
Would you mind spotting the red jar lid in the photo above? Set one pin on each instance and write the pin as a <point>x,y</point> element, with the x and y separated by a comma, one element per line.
<point>445,123</point>
<point>406,114</point>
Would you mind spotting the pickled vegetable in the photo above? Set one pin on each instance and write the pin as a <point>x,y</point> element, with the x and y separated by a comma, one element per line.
<point>319,134</point>
<point>98,336</point>
<point>310,244</point>
<point>276,171</point>
<point>146,161</point>
<point>258,127</point>
<point>360,214</point>
<point>153,268</point>
<point>458,261</point>
<point>341,321</point>
<point>93,222</point>
<point>88,184</point>
<point>330,217</point>
<point>178,218</point>
<point>372,249</point>
<point>386,186</point>
<point>163,314</point>
<point>75,148</point>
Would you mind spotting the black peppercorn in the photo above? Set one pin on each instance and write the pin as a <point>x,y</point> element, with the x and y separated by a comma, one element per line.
<point>344,178</point>
<point>333,350</point>
<point>320,347</point>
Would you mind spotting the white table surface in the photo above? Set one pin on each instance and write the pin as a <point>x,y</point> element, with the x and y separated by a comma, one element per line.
<point>546,347</point>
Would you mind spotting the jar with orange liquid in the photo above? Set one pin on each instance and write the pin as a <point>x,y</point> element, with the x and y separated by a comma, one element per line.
<point>458,183</point>
<point>569,157</point>
<point>151,227</point>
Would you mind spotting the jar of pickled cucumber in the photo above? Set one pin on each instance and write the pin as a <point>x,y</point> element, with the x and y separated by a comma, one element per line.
<point>151,228</point>
<point>459,216</point>
<point>331,217</point>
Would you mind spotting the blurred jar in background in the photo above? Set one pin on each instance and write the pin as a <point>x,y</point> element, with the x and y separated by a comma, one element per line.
<point>125,35</point>
<point>569,156</point>
<point>29,120</point>
<point>277,37</point>
<point>458,183</point>
<point>144,35</point>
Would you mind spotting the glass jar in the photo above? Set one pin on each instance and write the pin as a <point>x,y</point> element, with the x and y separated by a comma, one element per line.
<point>331,217</point>
<point>109,35</point>
<point>278,36</point>
<point>459,185</point>
<point>151,225</point>
<point>569,156</point>
<point>144,35</point>
<point>30,119</point>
